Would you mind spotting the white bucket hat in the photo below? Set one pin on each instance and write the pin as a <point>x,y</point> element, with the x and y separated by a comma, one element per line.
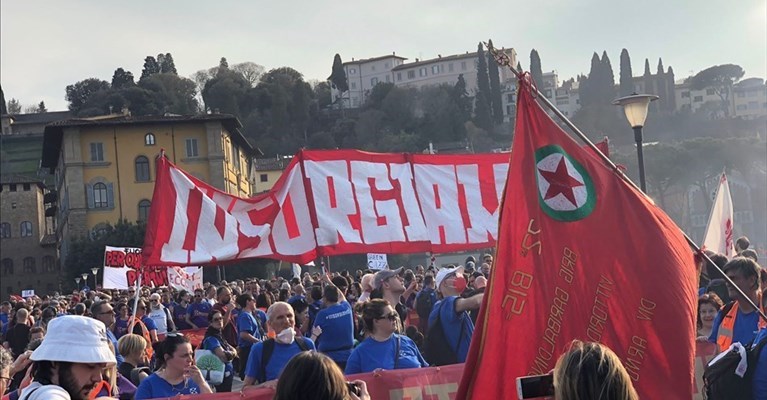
<point>76,339</point>
<point>445,272</point>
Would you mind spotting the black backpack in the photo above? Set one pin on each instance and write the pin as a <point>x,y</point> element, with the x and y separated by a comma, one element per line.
<point>721,380</point>
<point>424,303</point>
<point>268,349</point>
<point>437,350</point>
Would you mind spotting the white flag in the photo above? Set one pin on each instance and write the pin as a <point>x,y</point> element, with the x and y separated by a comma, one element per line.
<point>718,236</point>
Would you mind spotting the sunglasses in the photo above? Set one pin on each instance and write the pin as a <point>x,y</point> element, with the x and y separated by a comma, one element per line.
<point>391,317</point>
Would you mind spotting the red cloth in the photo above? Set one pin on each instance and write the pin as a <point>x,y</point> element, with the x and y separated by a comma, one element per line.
<point>582,256</point>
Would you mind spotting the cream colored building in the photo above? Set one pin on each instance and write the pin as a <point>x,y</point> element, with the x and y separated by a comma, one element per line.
<point>749,99</point>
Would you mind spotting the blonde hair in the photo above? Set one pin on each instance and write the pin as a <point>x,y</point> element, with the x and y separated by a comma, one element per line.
<point>131,344</point>
<point>591,371</point>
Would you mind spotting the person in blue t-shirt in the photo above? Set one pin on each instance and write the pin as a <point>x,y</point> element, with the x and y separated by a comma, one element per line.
<point>103,311</point>
<point>197,312</point>
<point>250,328</point>
<point>215,342</point>
<point>177,373</point>
<point>383,348</point>
<point>285,345</point>
<point>333,329</point>
<point>453,310</point>
<point>180,310</point>
<point>744,272</point>
<point>121,321</point>
<point>5,312</point>
<point>148,322</point>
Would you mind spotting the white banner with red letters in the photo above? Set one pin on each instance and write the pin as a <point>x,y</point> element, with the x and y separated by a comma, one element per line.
<point>329,203</point>
<point>122,266</point>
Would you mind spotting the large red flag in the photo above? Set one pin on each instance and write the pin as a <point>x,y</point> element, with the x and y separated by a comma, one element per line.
<point>581,255</point>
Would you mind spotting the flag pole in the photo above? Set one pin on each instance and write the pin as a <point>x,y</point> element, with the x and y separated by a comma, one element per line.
<point>135,302</point>
<point>505,61</point>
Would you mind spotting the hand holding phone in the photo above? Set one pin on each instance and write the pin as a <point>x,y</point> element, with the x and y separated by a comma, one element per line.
<point>535,386</point>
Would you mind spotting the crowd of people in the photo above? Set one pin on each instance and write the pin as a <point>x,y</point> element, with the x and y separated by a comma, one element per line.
<point>319,326</point>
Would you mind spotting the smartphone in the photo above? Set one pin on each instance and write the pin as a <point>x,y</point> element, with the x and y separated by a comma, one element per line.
<point>353,388</point>
<point>535,386</point>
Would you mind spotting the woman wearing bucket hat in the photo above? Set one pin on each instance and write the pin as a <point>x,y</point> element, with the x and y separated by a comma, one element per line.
<point>70,361</point>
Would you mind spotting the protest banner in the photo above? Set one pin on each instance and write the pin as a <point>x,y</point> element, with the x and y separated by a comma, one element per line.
<point>377,261</point>
<point>719,231</point>
<point>328,203</point>
<point>401,384</point>
<point>122,266</point>
<point>572,263</point>
<point>27,293</point>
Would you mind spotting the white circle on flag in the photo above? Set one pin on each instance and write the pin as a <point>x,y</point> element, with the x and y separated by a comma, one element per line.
<point>560,202</point>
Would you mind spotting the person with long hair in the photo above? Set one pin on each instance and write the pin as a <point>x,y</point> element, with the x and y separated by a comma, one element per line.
<point>314,375</point>
<point>591,371</point>
<point>709,305</point>
<point>177,374</point>
<point>215,342</point>
<point>383,348</point>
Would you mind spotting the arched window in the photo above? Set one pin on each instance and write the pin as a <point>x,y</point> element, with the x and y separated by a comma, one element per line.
<point>26,229</point>
<point>29,265</point>
<point>142,169</point>
<point>5,230</point>
<point>100,199</point>
<point>7,266</point>
<point>48,264</point>
<point>143,210</point>
<point>149,139</point>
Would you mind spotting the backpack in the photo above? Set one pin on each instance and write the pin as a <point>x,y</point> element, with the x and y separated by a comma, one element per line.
<point>723,379</point>
<point>268,349</point>
<point>437,349</point>
<point>424,303</point>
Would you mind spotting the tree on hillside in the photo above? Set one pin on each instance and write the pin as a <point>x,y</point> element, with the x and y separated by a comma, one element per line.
<point>41,108</point>
<point>607,84</point>
<point>223,66</point>
<point>78,94</point>
<point>626,78</point>
<point>167,66</point>
<point>322,94</point>
<point>172,93</point>
<point>84,250</point>
<point>535,68</point>
<point>338,75</point>
<point>122,78</point>
<point>151,66</point>
<point>482,117</point>
<point>519,67</point>
<point>720,78</point>
<point>225,93</point>
<point>14,107</point>
<point>461,99</point>
<point>250,71</point>
<point>496,100</point>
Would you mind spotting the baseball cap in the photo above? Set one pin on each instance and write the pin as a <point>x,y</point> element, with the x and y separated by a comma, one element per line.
<point>443,273</point>
<point>383,275</point>
<point>76,339</point>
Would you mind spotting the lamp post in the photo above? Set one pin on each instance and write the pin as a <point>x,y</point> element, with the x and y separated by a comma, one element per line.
<point>85,279</point>
<point>635,106</point>
<point>77,281</point>
<point>95,271</point>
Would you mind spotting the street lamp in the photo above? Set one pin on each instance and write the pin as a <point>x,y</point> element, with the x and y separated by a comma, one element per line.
<point>635,106</point>
<point>85,279</point>
<point>95,271</point>
<point>77,281</point>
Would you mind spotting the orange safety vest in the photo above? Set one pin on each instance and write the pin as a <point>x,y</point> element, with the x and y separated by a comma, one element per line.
<point>145,333</point>
<point>103,385</point>
<point>726,328</point>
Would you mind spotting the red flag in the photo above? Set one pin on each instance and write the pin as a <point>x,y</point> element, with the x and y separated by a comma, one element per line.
<point>581,255</point>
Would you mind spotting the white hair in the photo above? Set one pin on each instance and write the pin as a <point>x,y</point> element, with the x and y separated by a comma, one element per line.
<point>270,312</point>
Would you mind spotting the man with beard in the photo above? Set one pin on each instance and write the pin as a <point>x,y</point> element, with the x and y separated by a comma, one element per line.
<point>160,315</point>
<point>226,307</point>
<point>70,361</point>
<point>197,312</point>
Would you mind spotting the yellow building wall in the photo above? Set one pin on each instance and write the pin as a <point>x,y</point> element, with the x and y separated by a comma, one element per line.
<point>123,143</point>
<point>271,179</point>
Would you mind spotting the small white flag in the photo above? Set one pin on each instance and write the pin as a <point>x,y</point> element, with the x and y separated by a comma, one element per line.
<point>719,233</point>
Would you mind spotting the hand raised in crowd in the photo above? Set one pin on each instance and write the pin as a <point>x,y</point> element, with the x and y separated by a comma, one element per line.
<point>316,331</point>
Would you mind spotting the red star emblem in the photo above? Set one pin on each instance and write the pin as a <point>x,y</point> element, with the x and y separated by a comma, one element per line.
<point>560,181</point>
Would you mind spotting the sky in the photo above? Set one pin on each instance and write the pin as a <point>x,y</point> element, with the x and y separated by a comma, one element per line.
<point>47,45</point>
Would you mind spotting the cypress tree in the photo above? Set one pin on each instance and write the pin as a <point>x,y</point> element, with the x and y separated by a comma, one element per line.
<point>626,77</point>
<point>519,67</point>
<point>535,68</point>
<point>151,67</point>
<point>482,117</point>
<point>649,87</point>
<point>338,75</point>
<point>590,86</point>
<point>496,100</point>
<point>608,80</point>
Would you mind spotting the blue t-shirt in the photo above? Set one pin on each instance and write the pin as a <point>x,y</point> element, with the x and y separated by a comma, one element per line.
<point>452,324</point>
<point>211,343</point>
<point>113,339</point>
<point>246,322</point>
<point>280,356</point>
<point>121,327</point>
<point>746,327</point>
<point>372,354</point>
<point>149,322</point>
<point>179,317</point>
<point>198,313</point>
<point>760,373</point>
<point>4,320</point>
<point>155,387</point>
<point>337,338</point>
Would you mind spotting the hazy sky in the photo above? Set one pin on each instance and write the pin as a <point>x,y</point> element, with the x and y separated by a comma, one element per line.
<point>46,45</point>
